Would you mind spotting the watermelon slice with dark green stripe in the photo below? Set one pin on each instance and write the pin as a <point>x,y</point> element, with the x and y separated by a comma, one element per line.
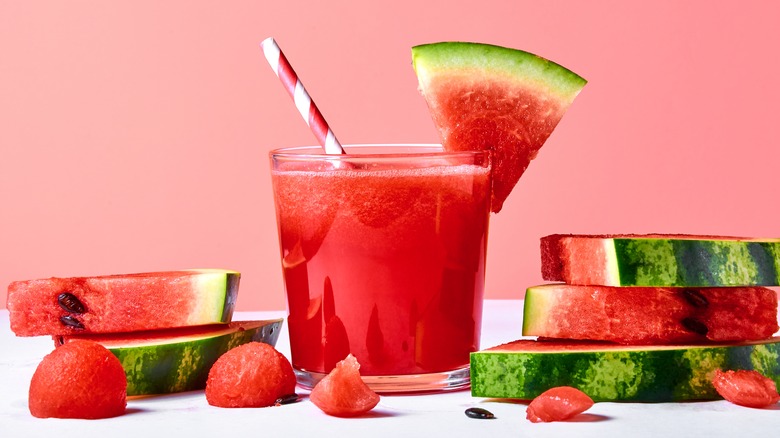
<point>650,315</point>
<point>486,97</point>
<point>177,360</point>
<point>661,260</point>
<point>122,303</point>
<point>611,372</point>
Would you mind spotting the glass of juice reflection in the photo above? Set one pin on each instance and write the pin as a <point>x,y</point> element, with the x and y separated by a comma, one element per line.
<point>383,256</point>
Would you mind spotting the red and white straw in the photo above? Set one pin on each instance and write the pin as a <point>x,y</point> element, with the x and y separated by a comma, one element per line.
<point>303,102</point>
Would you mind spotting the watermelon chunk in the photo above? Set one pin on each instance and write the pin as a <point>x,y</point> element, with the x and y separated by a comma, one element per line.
<point>650,315</point>
<point>122,303</point>
<point>176,360</point>
<point>661,260</point>
<point>485,97</point>
<point>746,388</point>
<point>253,375</point>
<point>611,372</point>
<point>342,393</point>
<point>558,404</point>
<point>80,380</point>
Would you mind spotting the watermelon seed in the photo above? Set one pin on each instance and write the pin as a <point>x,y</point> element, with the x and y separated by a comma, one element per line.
<point>70,303</point>
<point>694,325</point>
<point>479,413</point>
<point>695,298</point>
<point>71,321</point>
<point>286,399</point>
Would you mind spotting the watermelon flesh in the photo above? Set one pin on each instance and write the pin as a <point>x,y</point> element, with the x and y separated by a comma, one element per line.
<point>122,303</point>
<point>179,359</point>
<point>81,380</point>
<point>612,372</point>
<point>253,375</point>
<point>342,393</point>
<point>650,315</point>
<point>746,388</point>
<point>661,260</point>
<point>558,404</point>
<point>485,97</point>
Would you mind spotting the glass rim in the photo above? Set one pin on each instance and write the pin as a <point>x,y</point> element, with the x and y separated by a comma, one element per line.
<point>297,152</point>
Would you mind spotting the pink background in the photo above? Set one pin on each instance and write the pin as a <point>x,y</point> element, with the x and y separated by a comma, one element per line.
<point>135,135</point>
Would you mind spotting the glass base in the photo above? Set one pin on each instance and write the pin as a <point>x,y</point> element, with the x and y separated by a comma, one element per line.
<point>406,383</point>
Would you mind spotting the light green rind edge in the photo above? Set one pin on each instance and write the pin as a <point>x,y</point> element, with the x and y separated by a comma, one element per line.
<point>523,66</point>
<point>217,290</point>
<point>536,307</point>
<point>182,363</point>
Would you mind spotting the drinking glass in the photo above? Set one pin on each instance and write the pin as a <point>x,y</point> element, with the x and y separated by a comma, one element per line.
<point>383,257</point>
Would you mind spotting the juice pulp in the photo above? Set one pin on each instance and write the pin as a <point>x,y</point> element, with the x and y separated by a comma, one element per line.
<point>387,264</point>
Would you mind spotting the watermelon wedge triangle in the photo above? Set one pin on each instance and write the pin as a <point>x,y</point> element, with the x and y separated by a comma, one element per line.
<point>483,96</point>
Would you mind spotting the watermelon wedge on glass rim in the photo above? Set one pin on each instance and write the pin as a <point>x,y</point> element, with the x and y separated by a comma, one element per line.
<point>486,97</point>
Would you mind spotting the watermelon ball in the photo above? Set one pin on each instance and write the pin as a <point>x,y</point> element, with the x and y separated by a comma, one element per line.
<point>342,393</point>
<point>253,375</point>
<point>746,388</point>
<point>80,379</point>
<point>558,404</point>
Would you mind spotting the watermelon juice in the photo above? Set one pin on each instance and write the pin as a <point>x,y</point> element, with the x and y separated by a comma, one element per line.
<point>383,256</point>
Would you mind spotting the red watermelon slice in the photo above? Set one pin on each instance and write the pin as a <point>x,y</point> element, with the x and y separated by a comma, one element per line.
<point>650,315</point>
<point>122,303</point>
<point>489,97</point>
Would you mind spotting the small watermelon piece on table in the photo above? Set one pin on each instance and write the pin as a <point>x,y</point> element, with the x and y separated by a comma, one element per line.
<point>612,372</point>
<point>661,260</point>
<point>486,97</point>
<point>746,388</point>
<point>80,380</point>
<point>122,303</point>
<point>179,359</point>
<point>650,315</point>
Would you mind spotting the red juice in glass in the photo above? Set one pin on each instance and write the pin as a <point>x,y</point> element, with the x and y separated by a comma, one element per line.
<point>383,256</point>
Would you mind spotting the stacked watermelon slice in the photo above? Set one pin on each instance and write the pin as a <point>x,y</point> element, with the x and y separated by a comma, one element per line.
<point>642,318</point>
<point>645,318</point>
<point>166,328</point>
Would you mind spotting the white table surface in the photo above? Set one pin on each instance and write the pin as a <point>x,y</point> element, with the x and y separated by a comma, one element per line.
<point>433,415</point>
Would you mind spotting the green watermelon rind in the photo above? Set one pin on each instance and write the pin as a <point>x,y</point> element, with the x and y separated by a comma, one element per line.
<point>674,262</point>
<point>618,373</point>
<point>519,65</point>
<point>167,361</point>
<point>683,262</point>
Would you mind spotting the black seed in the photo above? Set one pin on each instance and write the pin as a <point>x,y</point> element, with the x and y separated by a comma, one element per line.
<point>59,341</point>
<point>479,413</point>
<point>71,321</point>
<point>694,325</point>
<point>695,298</point>
<point>286,399</point>
<point>70,303</point>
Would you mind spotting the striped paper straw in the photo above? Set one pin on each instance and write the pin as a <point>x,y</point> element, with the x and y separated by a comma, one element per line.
<point>303,102</point>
